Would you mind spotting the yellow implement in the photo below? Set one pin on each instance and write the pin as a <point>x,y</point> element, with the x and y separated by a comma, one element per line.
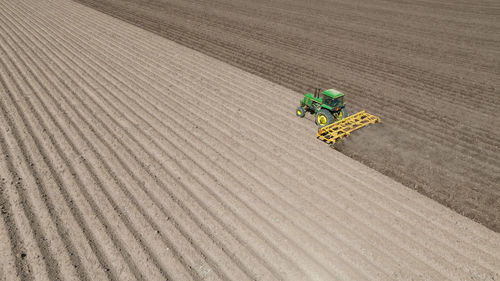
<point>343,128</point>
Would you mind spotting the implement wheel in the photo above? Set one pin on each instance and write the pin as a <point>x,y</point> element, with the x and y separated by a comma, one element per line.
<point>301,112</point>
<point>324,118</point>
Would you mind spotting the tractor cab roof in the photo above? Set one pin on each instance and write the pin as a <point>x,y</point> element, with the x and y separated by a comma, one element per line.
<point>333,93</point>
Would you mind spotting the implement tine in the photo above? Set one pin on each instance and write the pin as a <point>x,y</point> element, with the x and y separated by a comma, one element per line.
<point>337,131</point>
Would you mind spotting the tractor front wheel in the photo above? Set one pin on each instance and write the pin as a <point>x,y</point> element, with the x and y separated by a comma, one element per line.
<point>324,118</point>
<point>301,112</point>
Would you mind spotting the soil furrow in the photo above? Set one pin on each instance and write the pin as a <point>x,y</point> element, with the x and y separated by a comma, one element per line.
<point>51,263</point>
<point>130,150</point>
<point>136,179</point>
<point>74,210</point>
<point>52,210</point>
<point>137,274</point>
<point>14,241</point>
<point>182,167</point>
<point>447,87</point>
<point>7,258</point>
<point>292,127</point>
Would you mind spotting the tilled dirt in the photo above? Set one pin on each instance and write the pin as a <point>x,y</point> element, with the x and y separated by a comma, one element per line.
<point>125,156</point>
<point>429,69</point>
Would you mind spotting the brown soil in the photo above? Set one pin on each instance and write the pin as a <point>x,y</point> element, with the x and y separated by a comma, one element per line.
<point>429,69</point>
<point>104,175</point>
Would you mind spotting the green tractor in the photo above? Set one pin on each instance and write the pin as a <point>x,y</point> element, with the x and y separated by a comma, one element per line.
<point>327,106</point>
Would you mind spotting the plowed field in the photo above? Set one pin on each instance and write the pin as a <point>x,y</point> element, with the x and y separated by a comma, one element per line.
<point>430,69</point>
<point>125,156</point>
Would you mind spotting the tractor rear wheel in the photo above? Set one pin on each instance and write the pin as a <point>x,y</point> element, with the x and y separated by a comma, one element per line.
<point>324,118</point>
<point>301,112</point>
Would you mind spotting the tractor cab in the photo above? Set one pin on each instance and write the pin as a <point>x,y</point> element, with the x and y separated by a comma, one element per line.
<point>332,99</point>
